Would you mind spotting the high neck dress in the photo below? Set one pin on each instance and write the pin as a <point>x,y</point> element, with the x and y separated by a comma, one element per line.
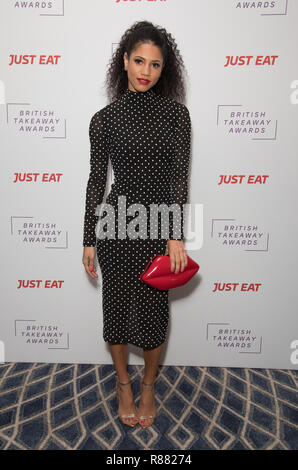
<point>146,136</point>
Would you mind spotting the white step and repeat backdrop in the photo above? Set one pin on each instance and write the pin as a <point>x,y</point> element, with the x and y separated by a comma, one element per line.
<point>241,57</point>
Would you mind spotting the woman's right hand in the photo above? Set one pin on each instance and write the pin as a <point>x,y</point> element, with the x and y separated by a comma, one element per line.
<point>88,261</point>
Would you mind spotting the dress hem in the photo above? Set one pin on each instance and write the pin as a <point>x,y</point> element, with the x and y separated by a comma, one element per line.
<point>135,343</point>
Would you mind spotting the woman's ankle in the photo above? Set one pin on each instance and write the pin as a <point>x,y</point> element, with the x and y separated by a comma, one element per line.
<point>124,379</point>
<point>148,380</point>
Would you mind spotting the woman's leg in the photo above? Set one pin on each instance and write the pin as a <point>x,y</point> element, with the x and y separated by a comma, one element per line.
<point>151,358</point>
<point>119,355</point>
<point>147,402</point>
<point>126,399</point>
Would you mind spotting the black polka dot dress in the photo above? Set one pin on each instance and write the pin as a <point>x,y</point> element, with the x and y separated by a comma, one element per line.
<point>146,136</point>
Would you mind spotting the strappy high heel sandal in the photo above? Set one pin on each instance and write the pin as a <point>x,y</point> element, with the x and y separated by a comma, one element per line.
<point>132,415</point>
<point>147,416</point>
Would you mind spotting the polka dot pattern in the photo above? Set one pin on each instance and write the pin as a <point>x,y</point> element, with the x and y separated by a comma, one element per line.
<point>147,138</point>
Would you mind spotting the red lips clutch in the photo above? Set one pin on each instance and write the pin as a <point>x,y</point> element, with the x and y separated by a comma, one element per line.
<point>158,273</point>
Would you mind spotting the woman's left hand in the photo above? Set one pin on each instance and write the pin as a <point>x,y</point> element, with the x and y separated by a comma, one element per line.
<point>178,256</point>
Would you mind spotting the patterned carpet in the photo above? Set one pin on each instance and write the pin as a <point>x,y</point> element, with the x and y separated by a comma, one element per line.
<point>74,406</point>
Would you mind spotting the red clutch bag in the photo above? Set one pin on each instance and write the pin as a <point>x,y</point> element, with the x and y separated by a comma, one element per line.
<point>158,273</point>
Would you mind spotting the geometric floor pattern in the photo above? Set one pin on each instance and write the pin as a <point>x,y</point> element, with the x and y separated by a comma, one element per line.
<point>74,406</point>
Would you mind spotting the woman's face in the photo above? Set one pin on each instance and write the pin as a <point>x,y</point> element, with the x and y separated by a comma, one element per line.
<point>146,62</point>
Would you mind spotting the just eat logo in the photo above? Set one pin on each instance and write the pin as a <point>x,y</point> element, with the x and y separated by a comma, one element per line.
<point>250,60</point>
<point>25,59</point>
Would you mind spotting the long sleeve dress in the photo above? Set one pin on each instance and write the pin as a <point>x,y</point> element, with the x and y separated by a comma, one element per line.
<point>147,138</point>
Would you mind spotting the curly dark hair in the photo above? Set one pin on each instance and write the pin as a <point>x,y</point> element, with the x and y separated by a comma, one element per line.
<point>171,82</point>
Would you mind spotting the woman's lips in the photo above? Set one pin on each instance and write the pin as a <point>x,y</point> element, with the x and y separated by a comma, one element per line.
<point>143,81</point>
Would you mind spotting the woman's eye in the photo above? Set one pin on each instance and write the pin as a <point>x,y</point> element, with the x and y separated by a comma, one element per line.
<point>139,60</point>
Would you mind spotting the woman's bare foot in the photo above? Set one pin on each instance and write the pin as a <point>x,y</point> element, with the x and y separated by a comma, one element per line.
<point>147,409</point>
<point>126,404</point>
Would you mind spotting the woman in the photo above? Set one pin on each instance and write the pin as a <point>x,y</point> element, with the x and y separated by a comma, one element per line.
<point>145,131</point>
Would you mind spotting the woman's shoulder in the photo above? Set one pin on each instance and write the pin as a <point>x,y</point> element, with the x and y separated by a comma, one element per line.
<point>99,117</point>
<point>177,105</point>
<point>108,111</point>
<point>181,111</point>
<point>99,113</point>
